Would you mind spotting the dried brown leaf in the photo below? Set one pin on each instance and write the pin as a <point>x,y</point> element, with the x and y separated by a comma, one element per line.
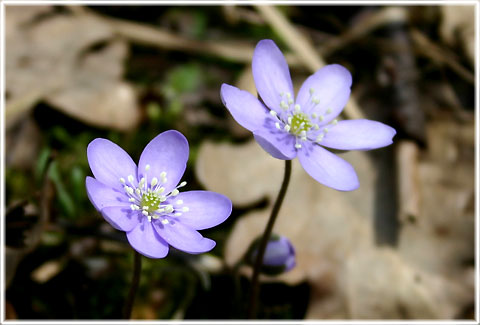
<point>51,59</point>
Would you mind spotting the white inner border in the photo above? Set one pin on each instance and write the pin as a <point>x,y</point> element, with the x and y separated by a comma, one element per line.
<point>229,2</point>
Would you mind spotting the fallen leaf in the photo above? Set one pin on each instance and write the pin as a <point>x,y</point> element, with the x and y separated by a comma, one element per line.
<point>333,233</point>
<point>379,284</point>
<point>53,58</point>
<point>97,95</point>
<point>246,173</point>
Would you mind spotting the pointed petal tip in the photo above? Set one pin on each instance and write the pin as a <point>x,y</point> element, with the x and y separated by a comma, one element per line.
<point>328,169</point>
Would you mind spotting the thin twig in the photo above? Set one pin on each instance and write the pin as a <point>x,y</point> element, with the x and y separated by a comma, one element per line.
<point>384,16</point>
<point>159,37</point>
<point>440,55</point>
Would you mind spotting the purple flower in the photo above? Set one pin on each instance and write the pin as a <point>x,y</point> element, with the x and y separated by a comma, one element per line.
<point>279,255</point>
<point>286,127</point>
<point>146,203</point>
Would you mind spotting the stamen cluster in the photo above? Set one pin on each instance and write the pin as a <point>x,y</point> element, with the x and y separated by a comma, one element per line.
<point>149,198</point>
<point>299,122</point>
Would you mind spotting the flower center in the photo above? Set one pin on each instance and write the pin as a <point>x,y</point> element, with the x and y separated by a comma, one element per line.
<point>294,119</point>
<point>300,122</point>
<point>148,197</point>
<point>151,200</point>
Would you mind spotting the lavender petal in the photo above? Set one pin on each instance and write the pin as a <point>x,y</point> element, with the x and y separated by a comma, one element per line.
<point>271,74</point>
<point>278,144</point>
<point>205,209</point>
<point>145,240</point>
<point>330,85</point>
<point>244,107</point>
<point>328,169</point>
<point>121,217</point>
<point>167,152</point>
<point>358,135</point>
<point>183,237</point>
<point>109,162</point>
<point>103,196</point>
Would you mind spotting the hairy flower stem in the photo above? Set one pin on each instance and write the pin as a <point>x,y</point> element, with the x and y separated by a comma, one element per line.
<point>137,267</point>
<point>254,287</point>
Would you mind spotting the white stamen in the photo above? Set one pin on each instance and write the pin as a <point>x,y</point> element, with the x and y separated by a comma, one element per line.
<point>147,167</point>
<point>297,107</point>
<point>289,120</point>
<point>178,214</point>
<point>288,95</point>
<point>303,133</point>
<point>320,118</point>
<point>145,213</point>
<point>277,125</point>
<point>311,90</point>
<point>161,190</point>
<point>335,122</point>
<point>149,218</point>
<point>314,115</point>
<point>320,138</point>
<point>122,180</point>
<point>315,100</point>
<point>169,208</point>
<point>165,222</point>
<point>273,113</point>
<point>328,111</point>
<point>154,181</point>
<point>163,174</point>
<point>185,209</point>
<point>182,184</point>
<point>325,130</point>
<point>179,202</point>
<point>138,191</point>
<point>131,199</point>
<point>316,127</point>
<point>145,207</point>
<point>290,101</point>
<point>130,178</point>
<point>298,145</point>
<point>175,192</point>
<point>303,138</point>
<point>286,127</point>
<point>283,105</point>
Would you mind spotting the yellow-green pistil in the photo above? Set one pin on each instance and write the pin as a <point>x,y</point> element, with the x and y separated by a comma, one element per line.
<point>295,121</point>
<point>300,122</point>
<point>151,201</point>
<point>149,198</point>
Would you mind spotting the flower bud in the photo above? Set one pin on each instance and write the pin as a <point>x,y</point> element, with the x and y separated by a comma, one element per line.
<point>279,255</point>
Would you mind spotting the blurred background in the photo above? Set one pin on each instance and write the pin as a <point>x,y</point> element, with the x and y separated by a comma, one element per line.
<point>400,247</point>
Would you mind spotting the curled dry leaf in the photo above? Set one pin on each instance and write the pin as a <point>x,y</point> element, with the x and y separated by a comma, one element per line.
<point>48,58</point>
<point>97,95</point>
